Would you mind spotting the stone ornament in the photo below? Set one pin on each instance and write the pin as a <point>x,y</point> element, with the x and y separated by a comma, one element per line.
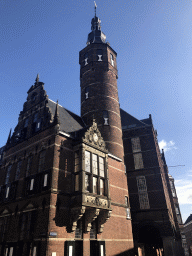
<point>96,201</point>
<point>93,137</point>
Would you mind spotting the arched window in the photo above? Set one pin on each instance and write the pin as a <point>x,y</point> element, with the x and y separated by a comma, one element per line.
<point>8,174</point>
<point>29,164</point>
<point>36,122</point>
<point>18,170</point>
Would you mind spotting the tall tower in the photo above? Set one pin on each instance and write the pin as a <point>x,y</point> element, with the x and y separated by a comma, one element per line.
<point>99,93</point>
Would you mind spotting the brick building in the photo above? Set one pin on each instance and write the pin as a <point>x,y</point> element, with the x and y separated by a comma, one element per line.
<point>187,231</point>
<point>65,189</point>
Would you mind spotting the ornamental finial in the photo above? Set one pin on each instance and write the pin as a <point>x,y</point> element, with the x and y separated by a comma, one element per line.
<point>37,79</point>
<point>95,8</point>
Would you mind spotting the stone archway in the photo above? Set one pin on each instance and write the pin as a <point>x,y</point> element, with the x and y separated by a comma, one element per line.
<point>151,241</point>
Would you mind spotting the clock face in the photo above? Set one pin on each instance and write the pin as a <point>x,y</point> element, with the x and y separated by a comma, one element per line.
<point>95,137</point>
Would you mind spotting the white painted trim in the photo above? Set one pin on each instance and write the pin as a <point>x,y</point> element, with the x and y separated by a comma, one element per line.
<point>65,134</point>
<point>115,157</point>
<point>185,225</point>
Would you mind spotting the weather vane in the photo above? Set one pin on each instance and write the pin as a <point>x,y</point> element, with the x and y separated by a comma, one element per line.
<point>95,8</point>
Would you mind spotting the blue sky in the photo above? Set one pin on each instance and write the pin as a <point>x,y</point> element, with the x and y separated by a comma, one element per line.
<point>153,40</point>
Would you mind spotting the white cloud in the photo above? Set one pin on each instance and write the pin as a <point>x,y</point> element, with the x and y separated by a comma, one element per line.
<point>184,190</point>
<point>167,145</point>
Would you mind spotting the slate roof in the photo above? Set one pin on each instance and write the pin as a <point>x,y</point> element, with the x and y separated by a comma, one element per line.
<point>128,121</point>
<point>1,153</point>
<point>69,122</point>
<point>188,219</point>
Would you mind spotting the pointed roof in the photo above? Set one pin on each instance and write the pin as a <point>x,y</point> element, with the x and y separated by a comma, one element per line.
<point>128,121</point>
<point>96,36</point>
<point>56,117</point>
<point>9,137</point>
<point>189,219</point>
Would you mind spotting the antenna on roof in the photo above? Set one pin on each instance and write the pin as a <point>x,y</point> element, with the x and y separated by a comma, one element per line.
<point>95,8</point>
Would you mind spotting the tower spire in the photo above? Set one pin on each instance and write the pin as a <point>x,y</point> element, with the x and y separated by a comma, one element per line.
<point>37,79</point>
<point>96,36</point>
<point>95,8</point>
<point>9,137</point>
<point>56,117</point>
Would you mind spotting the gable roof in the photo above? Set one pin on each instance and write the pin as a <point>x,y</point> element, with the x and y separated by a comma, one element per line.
<point>69,122</point>
<point>188,219</point>
<point>128,121</point>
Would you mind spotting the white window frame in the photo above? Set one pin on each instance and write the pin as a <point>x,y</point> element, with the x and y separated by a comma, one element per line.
<point>32,184</point>
<point>11,251</point>
<point>7,192</point>
<point>34,251</point>
<point>45,180</point>
<point>112,59</point>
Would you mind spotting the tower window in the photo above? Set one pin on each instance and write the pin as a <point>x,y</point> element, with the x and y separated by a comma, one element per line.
<point>106,117</point>
<point>112,59</point>
<point>86,92</point>
<point>86,58</point>
<point>99,55</point>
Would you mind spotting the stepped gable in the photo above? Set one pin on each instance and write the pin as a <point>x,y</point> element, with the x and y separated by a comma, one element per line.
<point>69,122</point>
